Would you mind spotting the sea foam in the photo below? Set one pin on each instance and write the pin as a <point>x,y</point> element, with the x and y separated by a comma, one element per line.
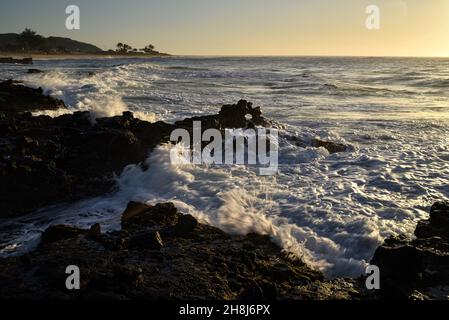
<point>331,210</point>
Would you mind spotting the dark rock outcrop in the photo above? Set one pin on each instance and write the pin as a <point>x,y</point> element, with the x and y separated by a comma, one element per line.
<point>160,253</point>
<point>146,240</point>
<point>33,71</point>
<point>137,215</point>
<point>60,232</point>
<point>417,268</point>
<point>240,115</point>
<point>147,259</point>
<point>186,225</point>
<point>332,147</point>
<point>15,97</point>
<point>16,61</point>
<point>47,160</point>
<point>438,223</point>
<point>63,232</point>
<point>153,263</point>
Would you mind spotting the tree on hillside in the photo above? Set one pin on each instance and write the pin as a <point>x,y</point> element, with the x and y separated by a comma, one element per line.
<point>123,48</point>
<point>119,47</point>
<point>29,39</point>
<point>148,49</point>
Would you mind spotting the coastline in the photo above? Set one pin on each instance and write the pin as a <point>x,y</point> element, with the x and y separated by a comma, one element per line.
<point>160,237</point>
<point>67,56</point>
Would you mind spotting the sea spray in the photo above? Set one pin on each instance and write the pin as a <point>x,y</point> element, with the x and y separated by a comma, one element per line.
<point>332,210</point>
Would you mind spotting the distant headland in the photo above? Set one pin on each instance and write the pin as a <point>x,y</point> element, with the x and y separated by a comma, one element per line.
<point>30,44</point>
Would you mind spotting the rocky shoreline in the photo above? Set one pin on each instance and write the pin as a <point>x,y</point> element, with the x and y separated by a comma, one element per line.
<point>48,160</point>
<point>418,267</point>
<point>159,253</point>
<point>12,60</point>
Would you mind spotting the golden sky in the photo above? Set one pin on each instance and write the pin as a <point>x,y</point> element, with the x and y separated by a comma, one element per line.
<point>245,27</point>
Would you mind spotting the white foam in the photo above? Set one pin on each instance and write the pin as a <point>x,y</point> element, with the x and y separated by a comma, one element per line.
<point>96,93</point>
<point>332,210</point>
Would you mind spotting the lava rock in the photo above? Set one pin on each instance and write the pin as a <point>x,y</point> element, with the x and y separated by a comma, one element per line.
<point>137,217</point>
<point>34,71</point>
<point>129,276</point>
<point>437,225</point>
<point>207,266</point>
<point>240,115</point>
<point>61,232</point>
<point>15,97</point>
<point>332,147</point>
<point>186,225</point>
<point>16,61</point>
<point>265,290</point>
<point>145,240</point>
<point>417,267</point>
<point>43,159</point>
<point>95,230</point>
<point>132,210</point>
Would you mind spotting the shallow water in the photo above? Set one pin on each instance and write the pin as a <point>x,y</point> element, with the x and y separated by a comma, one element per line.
<point>331,210</point>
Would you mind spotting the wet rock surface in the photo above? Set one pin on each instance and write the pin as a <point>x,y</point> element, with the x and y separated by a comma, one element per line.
<point>46,160</point>
<point>16,61</point>
<point>34,71</point>
<point>417,268</point>
<point>15,97</point>
<point>332,147</point>
<point>159,253</point>
<point>240,115</point>
<point>150,259</point>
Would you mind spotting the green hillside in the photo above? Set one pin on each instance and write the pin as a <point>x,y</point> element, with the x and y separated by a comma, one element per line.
<point>30,41</point>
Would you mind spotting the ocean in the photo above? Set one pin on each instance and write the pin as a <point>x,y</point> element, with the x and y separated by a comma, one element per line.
<point>331,210</point>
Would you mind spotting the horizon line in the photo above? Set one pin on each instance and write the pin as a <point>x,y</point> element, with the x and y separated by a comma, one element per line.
<point>270,55</point>
<point>303,56</point>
